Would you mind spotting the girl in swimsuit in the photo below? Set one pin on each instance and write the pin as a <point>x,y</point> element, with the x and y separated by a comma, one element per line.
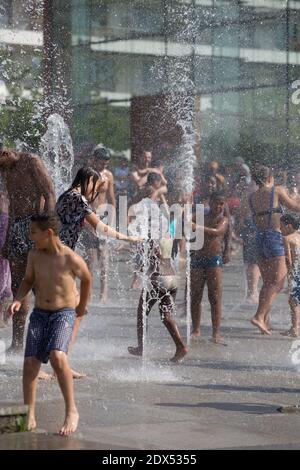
<point>266,205</point>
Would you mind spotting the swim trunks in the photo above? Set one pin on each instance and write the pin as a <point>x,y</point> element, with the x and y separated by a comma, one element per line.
<point>49,330</point>
<point>295,287</point>
<point>204,262</point>
<point>18,237</point>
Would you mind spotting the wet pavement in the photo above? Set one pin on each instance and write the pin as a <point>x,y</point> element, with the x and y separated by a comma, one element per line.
<point>220,397</point>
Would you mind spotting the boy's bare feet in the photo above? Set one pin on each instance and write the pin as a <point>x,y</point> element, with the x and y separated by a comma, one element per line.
<point>70,424</point>
<point>179,355</point>
<point>31,422</point>
<point>261,326</point>
<point>135,351</point>
<point>291,333</point>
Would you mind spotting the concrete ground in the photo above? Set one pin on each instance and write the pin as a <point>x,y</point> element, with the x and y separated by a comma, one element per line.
<point>220,397</point>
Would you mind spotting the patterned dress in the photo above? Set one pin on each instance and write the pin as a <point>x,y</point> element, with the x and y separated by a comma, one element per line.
<point>72,208</point>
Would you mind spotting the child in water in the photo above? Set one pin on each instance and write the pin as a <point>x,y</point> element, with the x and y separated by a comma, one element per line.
<point>289,227</point>
<point>52,269</point>
<point>206,267</point>
<point>163,289</point>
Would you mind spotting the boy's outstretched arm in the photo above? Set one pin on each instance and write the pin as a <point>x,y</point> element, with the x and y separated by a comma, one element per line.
<point>25,286</point>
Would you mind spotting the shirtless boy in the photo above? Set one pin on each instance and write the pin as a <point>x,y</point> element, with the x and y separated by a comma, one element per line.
<point>51,269</point>
<point>289,227</point>
<point>206,267</point>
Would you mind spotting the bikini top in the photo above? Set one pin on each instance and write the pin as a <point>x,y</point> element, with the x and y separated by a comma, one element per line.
<point>270,211</point>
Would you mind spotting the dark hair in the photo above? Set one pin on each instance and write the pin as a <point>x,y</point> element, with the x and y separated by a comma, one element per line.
<point>260,174</point>
<point>217,195</point>
<point>290,220</point>
<point>47,220</point>
<point>101,152</point>
<point>152,177</point>
<point>157,164</point>
<point>83,177</point>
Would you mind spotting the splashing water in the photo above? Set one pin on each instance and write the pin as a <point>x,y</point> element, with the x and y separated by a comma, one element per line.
<point>182,103</point>
<point>152,373</point>
<point>57,153</point>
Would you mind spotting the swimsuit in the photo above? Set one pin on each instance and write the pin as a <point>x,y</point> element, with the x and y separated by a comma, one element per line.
<point>18,237</point>
<point>294,280</point>
<point>295,287</point>
<point>72,208</point>
<point>204,262</point>
<point>49,330</point>
<point>269,242</point>
<point>164,296</point>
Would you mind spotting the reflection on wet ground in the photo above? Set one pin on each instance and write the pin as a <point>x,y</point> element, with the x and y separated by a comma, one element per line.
<point>218,398</point>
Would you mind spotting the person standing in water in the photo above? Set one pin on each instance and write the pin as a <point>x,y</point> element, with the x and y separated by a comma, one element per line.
<point>206,267</point>
<point>246,229</point>
<point>30,191</point>
<point>97,248</point>
<point>290,229</point>
<point>163,290</point>
<point>266,205</point>
<point>52,269</point>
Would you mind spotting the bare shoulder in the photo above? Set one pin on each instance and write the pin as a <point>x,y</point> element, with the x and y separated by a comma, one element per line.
<point>72,257</point>
<point>34,257</point>
<point>34,254</point>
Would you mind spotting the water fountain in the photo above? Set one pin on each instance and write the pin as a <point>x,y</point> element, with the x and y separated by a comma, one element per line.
<point>56,149</point>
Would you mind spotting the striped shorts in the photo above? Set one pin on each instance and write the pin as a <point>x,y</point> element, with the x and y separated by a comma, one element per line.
<point>49,330</point>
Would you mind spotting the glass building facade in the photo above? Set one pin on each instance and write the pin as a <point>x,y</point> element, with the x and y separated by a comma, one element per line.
<point>240,59</point>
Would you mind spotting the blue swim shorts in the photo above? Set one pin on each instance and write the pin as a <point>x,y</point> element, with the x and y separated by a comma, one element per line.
<point>204,262</point>
<point>269,244</point>
<point>49,330</point>
<point>295,291</point>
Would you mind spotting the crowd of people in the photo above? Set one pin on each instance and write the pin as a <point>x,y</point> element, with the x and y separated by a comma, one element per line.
<point>255,208</point>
